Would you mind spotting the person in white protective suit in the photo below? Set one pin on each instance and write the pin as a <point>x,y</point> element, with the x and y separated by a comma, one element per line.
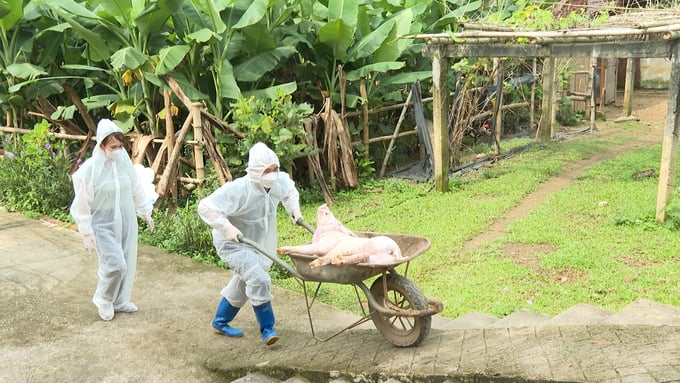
<point>247,206</point>
<point>7,154</point>
<point>107,192</point>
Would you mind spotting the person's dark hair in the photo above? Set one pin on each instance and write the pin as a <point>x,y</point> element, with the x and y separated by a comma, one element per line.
<point>118,136</point>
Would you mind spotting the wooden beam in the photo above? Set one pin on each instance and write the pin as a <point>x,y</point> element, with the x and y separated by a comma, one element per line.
<point>670,139</point>
<point>628,49</point>
<point>440,120</point>
<point>488,50</point>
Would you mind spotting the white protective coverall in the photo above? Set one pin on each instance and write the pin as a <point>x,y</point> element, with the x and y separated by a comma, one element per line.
<point>107,191</point>
<point>245,204</point>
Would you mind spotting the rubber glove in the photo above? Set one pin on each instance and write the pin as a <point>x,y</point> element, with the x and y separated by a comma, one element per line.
<point>149,222</point>
<point>88,242</point>
<point>9,155</point>
<point>296,216</point>
<point>232,233</point>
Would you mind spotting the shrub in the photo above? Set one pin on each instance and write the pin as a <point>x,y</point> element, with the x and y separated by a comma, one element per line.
<point>37,180</point>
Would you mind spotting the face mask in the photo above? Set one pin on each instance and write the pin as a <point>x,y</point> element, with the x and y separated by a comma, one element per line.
<point>269,179</point>
<point>113,154</point>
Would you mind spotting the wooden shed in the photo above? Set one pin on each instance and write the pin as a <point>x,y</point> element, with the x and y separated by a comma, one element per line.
<point>640,34</point>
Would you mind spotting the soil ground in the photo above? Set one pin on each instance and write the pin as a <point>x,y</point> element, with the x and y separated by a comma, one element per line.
<point>649,107</point>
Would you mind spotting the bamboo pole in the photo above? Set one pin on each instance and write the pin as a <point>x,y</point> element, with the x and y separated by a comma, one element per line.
<point>313,160</point>
<point>387,138</point>
<point>484,27</point>
<point>672,35</point>
<point>78,137</point>
<point>162,187</point>
<point>564,36</point>
<point>390,147</point>
<point>197,125</point>
<point>490,113</point>
<point>364,114</point>
<point>218,161</point>
<point>168,142</point>
<point>389,107</point>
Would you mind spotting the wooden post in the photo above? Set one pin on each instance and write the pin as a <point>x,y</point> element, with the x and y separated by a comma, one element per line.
<point>554,99</point>
<point>196,123</point>
<point>364,115</point>
<point>593,104</point>
<point>173,159</point>
<point>545,125</point>
<point>390,147</point>
<point>628,88</point>
<point>532,102</point>
<point>169,141</point>
<point>498,111</point>
<point>669,151</point>
<point>440,119</point>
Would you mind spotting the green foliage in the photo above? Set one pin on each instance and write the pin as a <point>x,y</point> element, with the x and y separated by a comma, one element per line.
<point>566,115</point>
<point>183,232</point>
<point>530,15</point>
<point>277,122</point>
<point>37,180</point>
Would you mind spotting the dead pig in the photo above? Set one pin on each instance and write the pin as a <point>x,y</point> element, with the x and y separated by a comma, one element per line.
<point>333,243</point>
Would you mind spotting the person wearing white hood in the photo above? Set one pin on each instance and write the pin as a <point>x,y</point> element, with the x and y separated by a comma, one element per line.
<point>107,192</point>
<point>247,206</point>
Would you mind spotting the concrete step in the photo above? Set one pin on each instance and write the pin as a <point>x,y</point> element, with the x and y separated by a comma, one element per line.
<point>467,321</point>
<point>580,314</point>
<point>522,318</point>
<point>640,312</point>
<point>644,312</point>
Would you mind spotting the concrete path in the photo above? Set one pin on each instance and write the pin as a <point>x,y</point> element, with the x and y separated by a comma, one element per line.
<point>50,332</point>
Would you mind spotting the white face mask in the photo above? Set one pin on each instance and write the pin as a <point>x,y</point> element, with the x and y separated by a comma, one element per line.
<point>113,154</point>
<point>269,179</point>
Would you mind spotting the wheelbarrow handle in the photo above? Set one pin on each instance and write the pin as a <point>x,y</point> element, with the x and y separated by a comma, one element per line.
<point>273,257</point>
<point>303,223</point>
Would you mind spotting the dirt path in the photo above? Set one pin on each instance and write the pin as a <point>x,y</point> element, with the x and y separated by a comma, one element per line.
<point>649,106</point>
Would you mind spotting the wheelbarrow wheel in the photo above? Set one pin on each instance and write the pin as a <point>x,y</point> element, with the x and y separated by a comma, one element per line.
<point>402,331</point>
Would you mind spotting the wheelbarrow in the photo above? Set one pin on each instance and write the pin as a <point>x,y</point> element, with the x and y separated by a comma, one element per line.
<point>397,307</point>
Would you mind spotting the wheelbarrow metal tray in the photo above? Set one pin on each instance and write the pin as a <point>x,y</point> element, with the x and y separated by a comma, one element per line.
<point>411,246</point>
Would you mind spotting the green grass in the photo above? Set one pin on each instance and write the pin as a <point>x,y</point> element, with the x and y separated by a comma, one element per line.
<point>603,245</point>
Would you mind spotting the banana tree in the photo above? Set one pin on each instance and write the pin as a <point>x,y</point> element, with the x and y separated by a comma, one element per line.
<point>16,39</point>
<point>126,38</point>
<point>237,44</point>
<point>364,40</point>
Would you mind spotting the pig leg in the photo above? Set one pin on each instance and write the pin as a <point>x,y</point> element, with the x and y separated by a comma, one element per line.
<point>321,261</point>
<point>324,245</point>
<point>309,249</point>
<point>350,259</point>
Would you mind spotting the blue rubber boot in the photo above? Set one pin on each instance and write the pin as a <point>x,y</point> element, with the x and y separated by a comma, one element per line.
<point>225,313</point>
<point>265,317</point>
